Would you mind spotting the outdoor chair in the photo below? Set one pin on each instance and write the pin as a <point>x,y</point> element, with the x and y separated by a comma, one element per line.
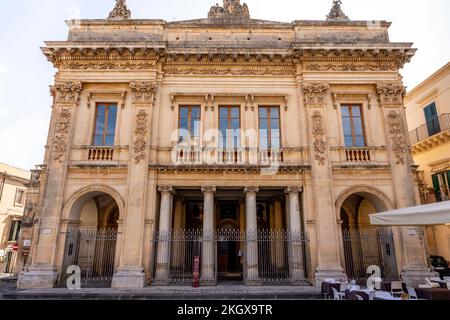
<point>336,294</point>
<point>396,288</point>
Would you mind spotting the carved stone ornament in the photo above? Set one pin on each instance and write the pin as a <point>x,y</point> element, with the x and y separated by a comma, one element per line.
<point>315,93</point>
<point>143,91</point>
<point>319,144</point>
<point>399,147</point>
<point>251,189</point>
<point>294,189</point>
<point>232,9</point>
<point>391,93</point>
<point>206,189</point>
<point>66,92</point>
<point>336,13</point>
<point>61,133</point>
<point>255,71</point>
<point>168,189</point>
<point>120,11</point>
<point>140,136</point>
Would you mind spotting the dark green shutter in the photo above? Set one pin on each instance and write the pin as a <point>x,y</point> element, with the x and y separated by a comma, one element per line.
<point>437,189</point>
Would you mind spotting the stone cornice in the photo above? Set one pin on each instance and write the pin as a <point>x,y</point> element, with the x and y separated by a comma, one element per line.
<point>221,169</point>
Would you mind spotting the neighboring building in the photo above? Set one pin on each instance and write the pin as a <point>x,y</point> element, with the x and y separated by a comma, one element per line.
<point>13,190</point>
<point>252,150</point>
<point>428,115</point>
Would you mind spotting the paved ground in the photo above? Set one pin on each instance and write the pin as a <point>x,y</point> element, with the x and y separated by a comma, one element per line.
<point>221,292</point>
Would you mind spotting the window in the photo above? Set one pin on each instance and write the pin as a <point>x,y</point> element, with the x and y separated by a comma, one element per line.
<point>432,119</point>
<point>19,199</point>
<point>353,126</point>
<point>229,123</point>
<point>189,123</point>
<point>14,231</point>
<point>269,128</point>
<point>105,124</point>
<point>441,185</point>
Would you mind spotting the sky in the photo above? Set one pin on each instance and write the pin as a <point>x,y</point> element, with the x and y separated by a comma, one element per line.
<point>25,74</point>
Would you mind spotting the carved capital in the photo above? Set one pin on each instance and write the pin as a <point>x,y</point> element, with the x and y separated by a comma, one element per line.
<point>251,189</point>
<point>143,92</point>
<point>165,189</point>
<point>206,189</point>
<point>294,190</point>
<point>391,93</point>
<point>315,93</point>
<point>140,136</point>
<point>66,92</point>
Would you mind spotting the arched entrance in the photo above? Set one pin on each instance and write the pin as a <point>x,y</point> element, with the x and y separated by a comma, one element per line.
<point>363,244</point>
<point>91,237</point>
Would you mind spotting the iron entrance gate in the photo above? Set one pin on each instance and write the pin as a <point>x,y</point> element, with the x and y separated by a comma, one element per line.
<point>363,248</point>
<point>93,251</point>
<point>274,250</point>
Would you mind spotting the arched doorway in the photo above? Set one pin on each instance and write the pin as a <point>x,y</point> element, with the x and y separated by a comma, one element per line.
<point>363,244</point>
<point>91,236</point>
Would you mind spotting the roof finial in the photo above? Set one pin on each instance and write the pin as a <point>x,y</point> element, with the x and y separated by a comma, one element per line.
<point>336,13</point>
<point>120,11</point>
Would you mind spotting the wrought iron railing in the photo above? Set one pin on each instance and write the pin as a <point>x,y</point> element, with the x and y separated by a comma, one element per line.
<point>430,128</point>
<point>276,254</point>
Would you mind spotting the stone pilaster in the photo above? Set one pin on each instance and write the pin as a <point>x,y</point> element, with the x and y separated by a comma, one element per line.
<point>410,242</point>
<point>208,257</point>
<point>43,273</point>
<point>251,253</point>
<point>130,273</point>
<point>316,101</point>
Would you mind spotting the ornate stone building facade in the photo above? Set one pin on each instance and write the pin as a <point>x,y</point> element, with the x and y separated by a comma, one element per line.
<point>246,148</point>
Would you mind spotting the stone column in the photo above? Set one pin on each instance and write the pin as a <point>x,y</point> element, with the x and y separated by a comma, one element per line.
<point>251,252</point>
<point>130,273</point>
<point>208,257</point>
<point>43,273</point>
<point>410,242</point>
<point>280,256</point>
<point>164,232</point>
<point>316,102</point>
<point>296,269</point>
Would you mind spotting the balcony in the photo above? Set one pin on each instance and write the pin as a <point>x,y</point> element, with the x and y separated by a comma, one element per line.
<point>434,131</point>
<point>100,153</point>
<point>357,154</point>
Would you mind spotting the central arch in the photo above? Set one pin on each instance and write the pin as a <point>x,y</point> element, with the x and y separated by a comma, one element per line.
<point>363,244</point>
<point>92,215</point>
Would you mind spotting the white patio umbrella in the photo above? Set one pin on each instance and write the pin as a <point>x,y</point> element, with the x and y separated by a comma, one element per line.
<point>429,214</point>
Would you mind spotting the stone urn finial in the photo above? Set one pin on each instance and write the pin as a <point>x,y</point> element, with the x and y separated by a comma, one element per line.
<point>120,11</point>
<point>336,13</point>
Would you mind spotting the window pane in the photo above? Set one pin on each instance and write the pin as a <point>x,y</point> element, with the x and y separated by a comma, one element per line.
<point>348,141</point>
<point>274,124</point>
<point>223,124</point>
<point>101,110</point>
<point>262,112</point>
<point>235,113</point>
<point>195,113</point>
<point>356,111</point>
<point>347,127</point>
<point>345,112</point>
<point>358,126</point>
<point>223,113</point>
<point>263,124</point>
<point>99,125</point>
<point>274,113</point>
<point>109,141</point>
<point>263,143</point>
<point>196,129</point>
<point>235,124</point>
<point>112,110</point>
<point>111,126</point>
<point>360,141</point>
<point>184,112</point>
<point>184,124</point>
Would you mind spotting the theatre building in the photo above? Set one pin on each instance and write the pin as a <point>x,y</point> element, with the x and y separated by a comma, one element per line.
<point>251,151</point>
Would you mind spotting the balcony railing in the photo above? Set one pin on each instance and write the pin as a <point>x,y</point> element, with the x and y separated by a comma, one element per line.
<point>357,154</point>
<point>430,128</point>
<point>100,153</point>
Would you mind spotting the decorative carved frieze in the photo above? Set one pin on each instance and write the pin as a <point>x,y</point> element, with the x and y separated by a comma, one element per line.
<point>315,93</point>
<point>120,11</point>
<point>231,10</point>
<point>352,67</point>
<point>391,94</point>
<point>62,129</point>
<point>66,92</point>
<point>245,71</point>
<point>399,146</point>
<point>99,65</point>
<point>140,136</point>
<point>319,144</point>
<point>143,92</point>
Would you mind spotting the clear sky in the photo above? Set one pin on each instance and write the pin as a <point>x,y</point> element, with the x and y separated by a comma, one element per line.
<point>25,73</point>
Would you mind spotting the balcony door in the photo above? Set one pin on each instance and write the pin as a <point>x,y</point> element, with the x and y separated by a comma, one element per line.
<point>432,119</point>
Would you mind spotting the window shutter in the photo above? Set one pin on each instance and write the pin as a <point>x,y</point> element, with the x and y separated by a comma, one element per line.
<point>448,179</point>
<point>437,189</point>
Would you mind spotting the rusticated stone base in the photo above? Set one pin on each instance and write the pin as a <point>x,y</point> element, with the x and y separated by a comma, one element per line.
<point>129,278</point>
<point>415,276</point>
<point>337,274</point>
<point>37,278</point>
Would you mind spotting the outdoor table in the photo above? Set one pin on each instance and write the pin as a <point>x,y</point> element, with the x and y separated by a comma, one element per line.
<point>442,283</point>
<point>433,293</point>
<point>386,286</point>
